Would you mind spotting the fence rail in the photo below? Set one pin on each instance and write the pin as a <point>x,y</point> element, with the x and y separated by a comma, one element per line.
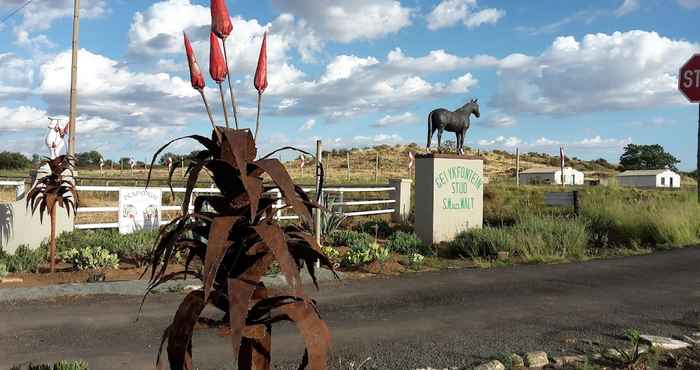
<point>342,201</point>
<point>340,205</point>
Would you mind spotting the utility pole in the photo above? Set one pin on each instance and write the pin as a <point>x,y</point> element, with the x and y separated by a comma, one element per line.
<point>74,79</point>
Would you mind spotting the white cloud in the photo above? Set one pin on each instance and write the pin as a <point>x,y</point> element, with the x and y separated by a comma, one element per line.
<point>16,78</point>
<point>690,4</point>
<point>22,118</point>
<point>308,125</point>
<point>378,139</point>
<point>486,16</point>
<point>349,20</point>
<point>401,119</point>
<point>623,70</point>
<point>343,66</point>
<point>511,141</point>
<point>113,98</point>
<point>586,144</point>
<point>627,6</point>
<point>449,12</point>
<point>500,120</point>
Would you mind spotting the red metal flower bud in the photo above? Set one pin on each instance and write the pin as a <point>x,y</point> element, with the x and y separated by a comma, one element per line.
<point>260,81</point>
<point>195,73</point>
<point>217,65</point>
<point>220,20</point>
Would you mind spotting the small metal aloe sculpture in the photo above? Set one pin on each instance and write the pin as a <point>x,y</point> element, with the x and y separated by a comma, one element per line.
<point>236,238</point>
<point>54,190</point>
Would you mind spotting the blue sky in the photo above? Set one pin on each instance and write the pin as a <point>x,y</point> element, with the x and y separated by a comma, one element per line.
<point>590,75</point>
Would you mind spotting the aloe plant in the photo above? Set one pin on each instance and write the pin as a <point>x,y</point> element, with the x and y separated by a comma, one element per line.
<point>236,238</point>
<point>55,189</point>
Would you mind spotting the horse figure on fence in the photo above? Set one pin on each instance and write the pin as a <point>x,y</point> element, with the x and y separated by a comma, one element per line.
<point>54,138</point>
<point>457,122</point>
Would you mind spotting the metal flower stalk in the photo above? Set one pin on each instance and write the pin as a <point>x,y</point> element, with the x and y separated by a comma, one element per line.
<point>260,80</point>
<point>197,80</point>
<point>221,26</point>
<point>218,70</point>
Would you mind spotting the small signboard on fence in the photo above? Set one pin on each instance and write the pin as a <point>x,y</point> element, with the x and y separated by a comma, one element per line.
<point>562,199</point>
<point>139,209</point>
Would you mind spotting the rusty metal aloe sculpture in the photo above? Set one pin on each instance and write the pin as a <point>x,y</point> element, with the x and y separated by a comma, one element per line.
<point>236,238</point>
<point>54,190</point>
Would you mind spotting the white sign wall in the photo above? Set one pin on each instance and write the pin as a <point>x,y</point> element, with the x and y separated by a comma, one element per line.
<point>139,209</point>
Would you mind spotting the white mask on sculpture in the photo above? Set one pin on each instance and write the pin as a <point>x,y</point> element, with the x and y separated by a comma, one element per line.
<point>55,137</point>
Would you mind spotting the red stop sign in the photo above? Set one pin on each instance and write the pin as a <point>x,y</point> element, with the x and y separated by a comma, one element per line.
<point>689,79</point>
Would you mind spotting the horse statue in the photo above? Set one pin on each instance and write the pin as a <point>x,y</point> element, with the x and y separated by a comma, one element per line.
<point>458,122</point>
<point>54,138</point>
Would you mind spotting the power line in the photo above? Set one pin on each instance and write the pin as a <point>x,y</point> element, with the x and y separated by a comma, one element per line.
<point>10,14</point>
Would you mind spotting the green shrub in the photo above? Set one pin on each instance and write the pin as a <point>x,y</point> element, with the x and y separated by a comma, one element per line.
<point>349,238</point>
<point>61,365</point>
<point>416,259</point>
<point>135,247</point>
<point>3,270</point>
<point>90,258</point>
<point>360,255</point>
<point>70,365</point>
<point>533,238</point>
<point>24,259</point>
<point>377,226</point>
<point>405,243</point>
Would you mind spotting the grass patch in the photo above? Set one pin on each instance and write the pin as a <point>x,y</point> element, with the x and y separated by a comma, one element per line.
<point>532,239</point>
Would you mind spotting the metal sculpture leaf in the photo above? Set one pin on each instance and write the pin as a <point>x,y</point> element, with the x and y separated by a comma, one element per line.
<point>235,238</point>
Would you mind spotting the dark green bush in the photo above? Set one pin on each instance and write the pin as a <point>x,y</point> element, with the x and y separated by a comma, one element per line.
<point>378,226</point>
<point>349,238</point>
<point>407,243</point>
<point>24,259</point>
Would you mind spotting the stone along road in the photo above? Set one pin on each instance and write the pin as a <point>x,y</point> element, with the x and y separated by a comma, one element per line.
<point>449,318</point>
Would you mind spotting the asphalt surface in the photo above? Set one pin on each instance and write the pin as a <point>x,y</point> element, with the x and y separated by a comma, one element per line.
<point>442,319</point>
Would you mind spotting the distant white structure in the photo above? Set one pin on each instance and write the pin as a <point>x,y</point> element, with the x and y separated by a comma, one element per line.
<point>551,175</point>
<point>649,179</point>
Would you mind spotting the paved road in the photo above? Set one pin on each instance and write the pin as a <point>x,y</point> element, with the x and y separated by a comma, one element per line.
<point>441,319</point>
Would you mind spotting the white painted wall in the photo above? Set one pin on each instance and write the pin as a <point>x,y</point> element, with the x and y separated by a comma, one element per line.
<point>571,177</point>
<point>666,179</point>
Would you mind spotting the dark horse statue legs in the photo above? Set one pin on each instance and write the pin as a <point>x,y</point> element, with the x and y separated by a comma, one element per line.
<point>441,120</point>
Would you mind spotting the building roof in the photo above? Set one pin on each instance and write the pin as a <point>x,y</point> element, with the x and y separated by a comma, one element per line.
<point>642,172</point>
<point>537,170</point>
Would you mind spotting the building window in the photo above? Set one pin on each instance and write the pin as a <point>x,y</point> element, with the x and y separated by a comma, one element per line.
<point>663,181</point>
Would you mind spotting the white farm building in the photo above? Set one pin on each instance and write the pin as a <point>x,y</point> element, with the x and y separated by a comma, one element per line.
<point>551,175</point>
<point>650,179</point>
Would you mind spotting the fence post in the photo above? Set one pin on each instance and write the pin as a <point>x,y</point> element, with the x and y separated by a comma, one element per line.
<point>376,168</point>
<point>348,160</point>
<point>341,199</point>
<point>402,199</point>
<point>278,204</point>
<point>319,196</point>
<point>577,204</point>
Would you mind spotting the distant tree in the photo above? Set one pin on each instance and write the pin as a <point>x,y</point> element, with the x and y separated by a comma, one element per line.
<point>647,157</point>
<point>14,161</point>
<point>91,158</point>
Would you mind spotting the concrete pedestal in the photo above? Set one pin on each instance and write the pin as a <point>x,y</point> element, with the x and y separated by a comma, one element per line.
<point>449,196</point>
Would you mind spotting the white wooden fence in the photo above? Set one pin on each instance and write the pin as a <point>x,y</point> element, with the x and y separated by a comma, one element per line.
<point>341,198</point>
<point>339,204</point>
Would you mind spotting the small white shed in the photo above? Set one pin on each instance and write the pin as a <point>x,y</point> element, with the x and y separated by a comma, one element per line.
<point>650,179</point>
<point>551,175</point>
